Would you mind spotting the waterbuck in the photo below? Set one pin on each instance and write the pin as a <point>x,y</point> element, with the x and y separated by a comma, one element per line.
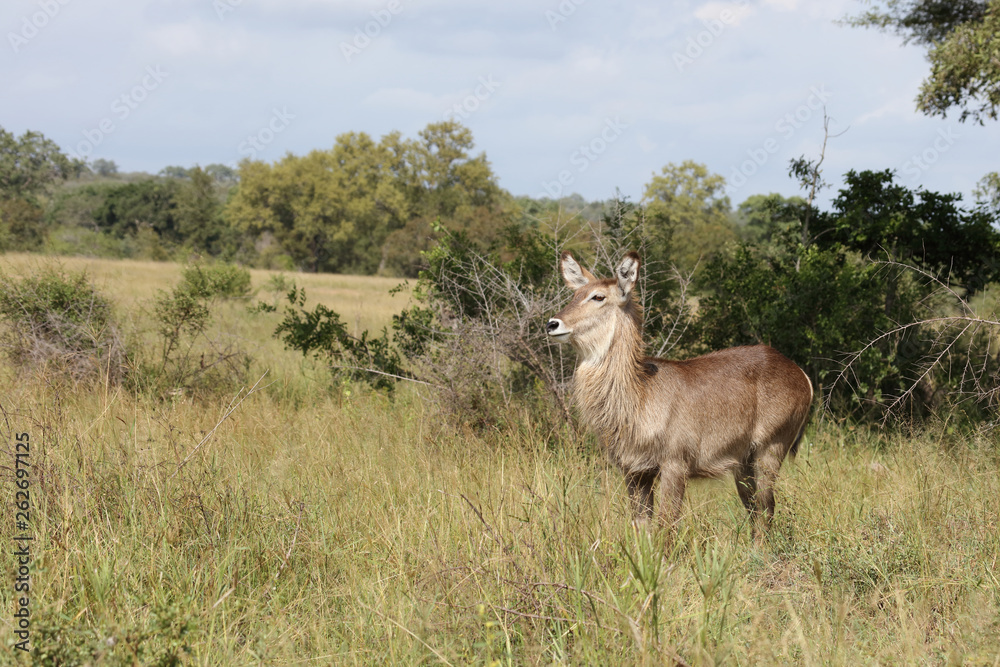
<point>740,410</point>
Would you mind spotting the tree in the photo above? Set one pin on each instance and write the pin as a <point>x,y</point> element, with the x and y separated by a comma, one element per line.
<point>103,167</point>
<point>766,216</point>
<point>877,217</point>
<point>174,172</point>
<point>21,225</point>
<point>221,173</point>
<point>369,207</point>
<point>687,214</point>
<point>330,210</point>
<point>31,163</point>
<point>963,38</point>
<point>988,192</point>
<point>198,213</point>
<point>132,207</point>
<point>814,305</point>
<point>444,185</point>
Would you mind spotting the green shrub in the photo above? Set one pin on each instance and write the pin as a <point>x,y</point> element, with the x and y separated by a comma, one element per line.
<point>817,307</point>
<point>321,333</point>
<point>188,358</point>
<point>216,280</point>
<point>59,321</point>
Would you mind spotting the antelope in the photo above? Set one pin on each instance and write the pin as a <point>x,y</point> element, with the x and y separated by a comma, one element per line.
<point>739,410</point>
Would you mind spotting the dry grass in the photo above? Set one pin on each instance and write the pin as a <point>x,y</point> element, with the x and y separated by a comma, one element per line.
<point>325,527</point>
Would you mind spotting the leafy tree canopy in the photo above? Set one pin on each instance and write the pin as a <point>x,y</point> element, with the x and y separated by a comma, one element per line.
<point>366,206</point>
<point>30,163</point>
<point>144,204</point>
<point>874,215</point>
<point>103,167</point>
<point>988,191</point>
<point>764,216</point>
<point>963,38</point>
<point>687,213</point>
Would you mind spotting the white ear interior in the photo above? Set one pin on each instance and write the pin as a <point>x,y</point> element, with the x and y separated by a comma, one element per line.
<point>628,271</point>
<point>572,273</point>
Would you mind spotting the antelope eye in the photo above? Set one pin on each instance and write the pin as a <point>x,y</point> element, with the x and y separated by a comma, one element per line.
<point>598,297</point>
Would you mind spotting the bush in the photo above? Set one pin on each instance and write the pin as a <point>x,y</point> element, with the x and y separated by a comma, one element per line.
<point>217,280</point>
<point>59,321</point>
<point>477,331</point>
<point>817,307</point>
<point>189,358</point>
<point>321,333</point>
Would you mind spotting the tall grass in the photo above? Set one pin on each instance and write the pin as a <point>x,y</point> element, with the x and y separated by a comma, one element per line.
<point>321,526</point>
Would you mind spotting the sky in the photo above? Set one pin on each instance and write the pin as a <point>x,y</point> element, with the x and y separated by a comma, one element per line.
<point>563,96</point>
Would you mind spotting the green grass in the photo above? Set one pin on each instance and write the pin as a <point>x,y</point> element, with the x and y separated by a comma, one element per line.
<point>333,526</point>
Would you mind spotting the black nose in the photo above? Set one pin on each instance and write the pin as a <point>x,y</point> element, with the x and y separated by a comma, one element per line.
<point>552,326</point>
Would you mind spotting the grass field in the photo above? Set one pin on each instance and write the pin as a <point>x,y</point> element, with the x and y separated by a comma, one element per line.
<point>333,525</point>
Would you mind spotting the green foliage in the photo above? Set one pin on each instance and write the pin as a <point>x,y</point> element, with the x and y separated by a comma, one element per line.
<point>173,171</point>
<point>963,39</point>
<point>22,225</point>
<point>814,305</point>
<point>767,217</point>
<point>925,22</point>
<point>822,303</point>
<point>367,206</point>
<point>188,358</point>
<point>30,164</point>
<point>60,321</point>
<point>179,313</point>
<point>198,214</point>
<point>75,204</point>
<point>988,192</point>
<point>149,204</point>
<point>103,167</point>
<point>687,214</point>
<point>164,641</point>
<point>148,218</point>
<point>222,173</point>
<point>329,211</point>
<point>216,280</point>
<point>876,217</point>
<point>321,333</point>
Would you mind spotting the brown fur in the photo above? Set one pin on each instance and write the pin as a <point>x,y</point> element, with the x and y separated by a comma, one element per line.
<point>740,410</point>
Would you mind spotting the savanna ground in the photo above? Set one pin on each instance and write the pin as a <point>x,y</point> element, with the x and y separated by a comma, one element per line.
<point>323,523</point>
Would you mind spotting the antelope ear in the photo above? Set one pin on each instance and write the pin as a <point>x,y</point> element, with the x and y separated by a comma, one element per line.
<point>628,273</point>
<point>575,275</point>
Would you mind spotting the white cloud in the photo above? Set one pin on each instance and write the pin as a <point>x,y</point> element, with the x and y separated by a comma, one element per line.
<point>782,5</point>
<point>407,98</point>
<point>178,39</point>
<point>729,13</point>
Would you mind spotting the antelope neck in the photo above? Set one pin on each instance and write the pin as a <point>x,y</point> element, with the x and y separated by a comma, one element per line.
<point>609,386</point>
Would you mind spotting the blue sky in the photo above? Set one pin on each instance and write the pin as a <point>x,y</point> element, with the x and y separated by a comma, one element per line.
<point>563,96</point>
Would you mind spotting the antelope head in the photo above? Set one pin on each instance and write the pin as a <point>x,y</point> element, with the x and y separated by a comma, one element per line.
<point>589,320</point>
